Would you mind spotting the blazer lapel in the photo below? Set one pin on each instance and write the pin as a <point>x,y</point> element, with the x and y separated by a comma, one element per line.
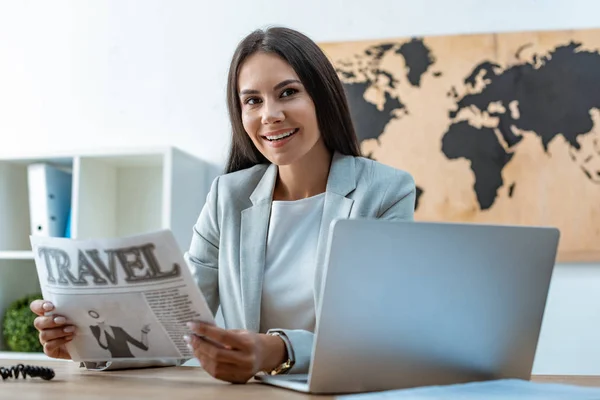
<point>253,244</point>
<point>341,181</point>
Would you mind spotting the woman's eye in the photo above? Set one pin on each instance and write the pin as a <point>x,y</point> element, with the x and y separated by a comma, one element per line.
<point>288,92</point>
<point>251,101</point>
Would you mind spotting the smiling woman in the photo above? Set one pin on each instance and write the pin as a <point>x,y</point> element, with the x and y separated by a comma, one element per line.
<point>258,247</point>
<point>296,77</point>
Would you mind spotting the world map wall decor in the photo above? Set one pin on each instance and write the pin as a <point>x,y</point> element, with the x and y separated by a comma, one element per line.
<point>495,128</point>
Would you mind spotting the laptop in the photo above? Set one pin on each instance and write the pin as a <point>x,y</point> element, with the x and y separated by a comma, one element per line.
<point>407,304</point>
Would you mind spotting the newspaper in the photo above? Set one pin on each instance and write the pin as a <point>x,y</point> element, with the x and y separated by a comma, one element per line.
<point>130,298</point>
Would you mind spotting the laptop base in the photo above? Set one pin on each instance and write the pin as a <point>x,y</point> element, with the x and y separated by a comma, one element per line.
<point>297,382</point>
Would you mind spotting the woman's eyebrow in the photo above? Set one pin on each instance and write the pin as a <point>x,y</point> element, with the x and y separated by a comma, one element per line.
<point>249,91</point>
<point>285,83</point>
<point>276,87</point>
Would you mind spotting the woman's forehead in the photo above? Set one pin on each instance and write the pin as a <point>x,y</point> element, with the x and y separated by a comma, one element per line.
<point>262,71</point>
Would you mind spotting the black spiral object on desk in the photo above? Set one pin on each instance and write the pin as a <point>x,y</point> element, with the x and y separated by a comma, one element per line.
<point>25,370</point>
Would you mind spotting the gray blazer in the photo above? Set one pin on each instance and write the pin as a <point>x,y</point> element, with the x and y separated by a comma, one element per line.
<point>228,248</point>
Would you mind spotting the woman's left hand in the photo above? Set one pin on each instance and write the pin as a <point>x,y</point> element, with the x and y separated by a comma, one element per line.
<point>234,355</point>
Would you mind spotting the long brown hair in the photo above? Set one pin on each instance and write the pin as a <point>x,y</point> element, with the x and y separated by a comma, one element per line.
<point>319,79</point>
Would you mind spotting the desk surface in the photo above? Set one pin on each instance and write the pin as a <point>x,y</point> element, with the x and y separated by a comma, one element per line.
<point>71,382</point>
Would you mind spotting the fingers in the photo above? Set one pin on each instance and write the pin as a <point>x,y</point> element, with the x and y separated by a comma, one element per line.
<point>203,348</point>
<point>49,322</point>
<point>226,364</point>
<point>220,363</point>
<point>54,331</point>
<point>54,340</point>
<point>48,335</point>
<point>40,307</point>
<point>219,335</point>
<point>224,371</point>
<point>56,348</point>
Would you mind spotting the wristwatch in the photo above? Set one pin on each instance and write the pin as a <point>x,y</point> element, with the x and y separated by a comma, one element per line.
<point>287,364</point>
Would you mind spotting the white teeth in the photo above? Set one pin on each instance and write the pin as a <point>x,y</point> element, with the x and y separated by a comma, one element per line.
<point>280,136</point>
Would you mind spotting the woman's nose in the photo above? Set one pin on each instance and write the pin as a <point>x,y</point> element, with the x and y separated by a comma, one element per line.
<point>272,113</point>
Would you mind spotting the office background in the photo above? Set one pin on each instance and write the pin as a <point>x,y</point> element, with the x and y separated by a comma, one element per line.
<point>121,74</point>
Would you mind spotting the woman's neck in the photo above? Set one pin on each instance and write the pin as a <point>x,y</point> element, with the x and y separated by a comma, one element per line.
<point>305,178</point>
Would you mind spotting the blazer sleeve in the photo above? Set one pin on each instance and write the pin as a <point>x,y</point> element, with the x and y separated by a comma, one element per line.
<point>398,201</point>
<point>203,255</point>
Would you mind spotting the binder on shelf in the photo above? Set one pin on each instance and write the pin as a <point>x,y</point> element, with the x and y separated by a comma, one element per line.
<point>49,199</point>
<point>68,227</point>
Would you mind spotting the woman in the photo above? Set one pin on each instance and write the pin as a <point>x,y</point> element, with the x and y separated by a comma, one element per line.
<point>258,246</point>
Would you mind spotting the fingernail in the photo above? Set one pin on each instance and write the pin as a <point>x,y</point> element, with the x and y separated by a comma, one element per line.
<point>190,325</point>
<point>189,346</point>
<point>60,320</point>
<point>48,306</point>
<point>187,339</point>
<point>69,329</point>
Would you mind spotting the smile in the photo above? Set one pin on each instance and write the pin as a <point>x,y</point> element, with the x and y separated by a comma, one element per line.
<point>281,136</point>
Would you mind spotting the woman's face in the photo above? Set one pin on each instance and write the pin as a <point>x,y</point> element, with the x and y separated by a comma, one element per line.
<point>277,112</point>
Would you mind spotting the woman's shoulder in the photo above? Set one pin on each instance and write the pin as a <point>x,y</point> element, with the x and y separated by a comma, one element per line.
<point>240,183</point>
<point>378,173</point>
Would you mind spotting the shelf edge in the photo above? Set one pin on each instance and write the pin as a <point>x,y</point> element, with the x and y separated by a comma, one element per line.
<point>16,255</point>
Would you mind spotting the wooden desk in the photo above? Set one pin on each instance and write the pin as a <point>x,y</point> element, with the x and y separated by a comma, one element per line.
<point>171,383</point>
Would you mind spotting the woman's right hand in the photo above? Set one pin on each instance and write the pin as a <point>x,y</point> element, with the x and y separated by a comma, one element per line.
<point>54,330</point>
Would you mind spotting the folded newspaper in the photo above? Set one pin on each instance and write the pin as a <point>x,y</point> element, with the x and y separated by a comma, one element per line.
<point>130,298</point>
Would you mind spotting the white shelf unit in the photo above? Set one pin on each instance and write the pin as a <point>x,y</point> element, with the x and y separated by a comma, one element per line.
<point>114,193</point>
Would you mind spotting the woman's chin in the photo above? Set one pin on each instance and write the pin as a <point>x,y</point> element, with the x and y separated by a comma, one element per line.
<point>282,159</point>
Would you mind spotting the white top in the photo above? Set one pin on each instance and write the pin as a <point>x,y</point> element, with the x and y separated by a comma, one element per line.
<point>288,286</point>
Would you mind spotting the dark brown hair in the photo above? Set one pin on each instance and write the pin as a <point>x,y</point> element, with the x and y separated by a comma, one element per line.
<point>319,79</point>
